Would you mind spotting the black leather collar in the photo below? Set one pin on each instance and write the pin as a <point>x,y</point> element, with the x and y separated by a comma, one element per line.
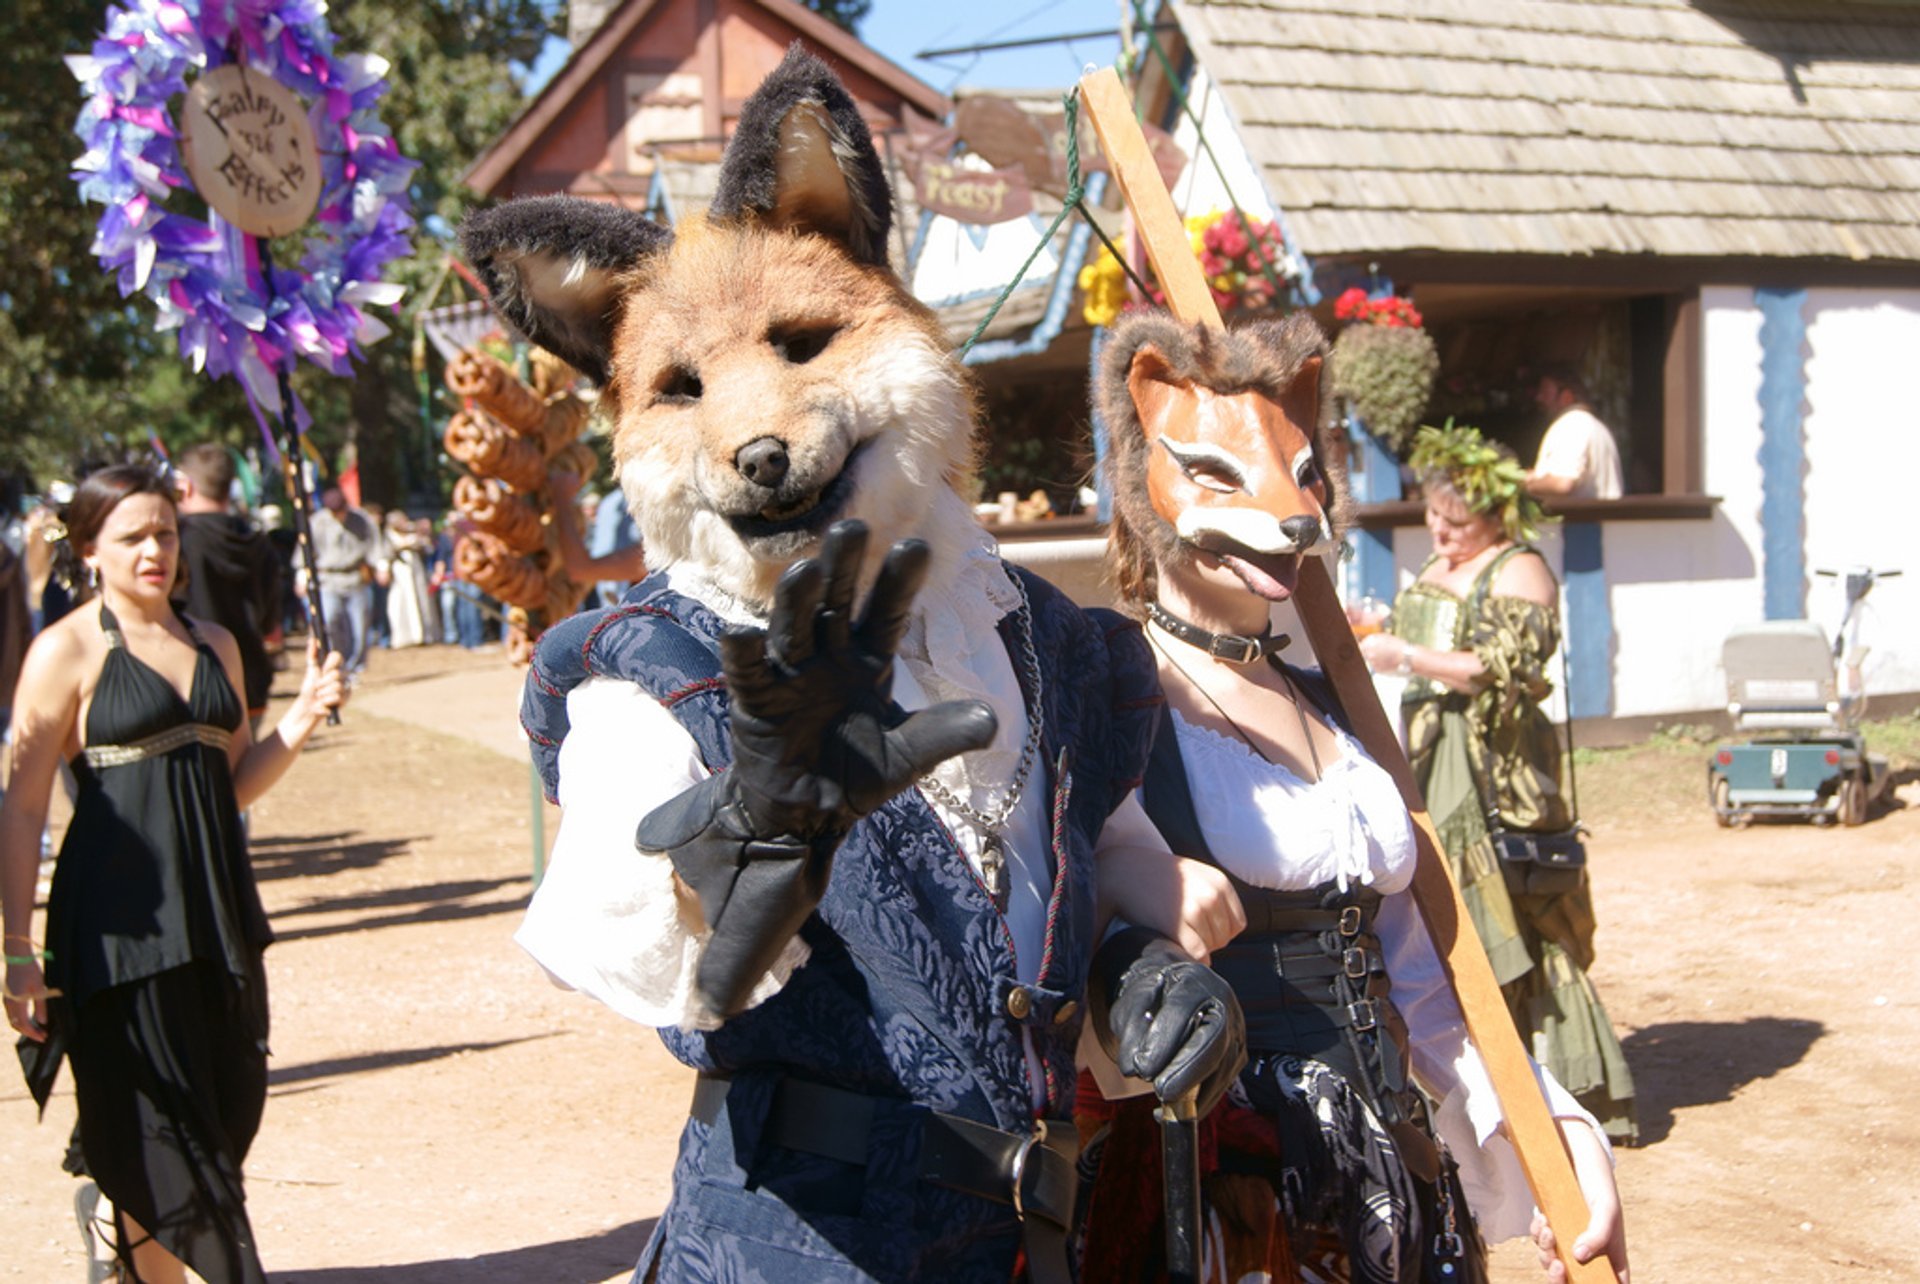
<point>1234,648</point>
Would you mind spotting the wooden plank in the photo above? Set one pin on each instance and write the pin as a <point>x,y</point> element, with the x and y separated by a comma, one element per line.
<point>1530,1125</point>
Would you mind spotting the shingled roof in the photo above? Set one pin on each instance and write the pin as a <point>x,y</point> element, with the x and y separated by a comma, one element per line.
<point>1548,127</point>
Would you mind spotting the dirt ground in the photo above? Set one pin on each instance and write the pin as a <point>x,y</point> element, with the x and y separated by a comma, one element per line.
<point>440,1114</point>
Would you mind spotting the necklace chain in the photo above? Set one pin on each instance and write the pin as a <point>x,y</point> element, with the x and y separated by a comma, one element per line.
<point>987,825</point>
<point>1293,694</point>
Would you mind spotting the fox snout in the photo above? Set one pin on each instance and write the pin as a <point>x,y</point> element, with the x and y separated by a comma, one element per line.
<point>763,461</point>
<point>1303,530</point>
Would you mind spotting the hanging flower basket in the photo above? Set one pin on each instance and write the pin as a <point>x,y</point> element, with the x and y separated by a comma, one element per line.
<point>1234,250</point>
<point>1384,363</point>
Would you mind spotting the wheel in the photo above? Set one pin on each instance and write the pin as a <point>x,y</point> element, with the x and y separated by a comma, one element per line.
<point>1853,801</point>
<point>1720,791</point>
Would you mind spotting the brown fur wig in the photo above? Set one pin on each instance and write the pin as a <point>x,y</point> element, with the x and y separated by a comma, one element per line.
<point>1263,357</point>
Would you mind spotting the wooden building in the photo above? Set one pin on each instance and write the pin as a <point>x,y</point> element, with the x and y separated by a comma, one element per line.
<point>639,113</point>
<point>1713,206</point>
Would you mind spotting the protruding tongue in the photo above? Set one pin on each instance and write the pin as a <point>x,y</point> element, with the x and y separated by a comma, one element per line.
<point>1271,577</point>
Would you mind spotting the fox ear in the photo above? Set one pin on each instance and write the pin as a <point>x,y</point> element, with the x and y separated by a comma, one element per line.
<point>802,158</point>
<point>553,265</point>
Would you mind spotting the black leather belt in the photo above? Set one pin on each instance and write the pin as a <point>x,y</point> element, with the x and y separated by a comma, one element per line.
<point>1031,1172</point>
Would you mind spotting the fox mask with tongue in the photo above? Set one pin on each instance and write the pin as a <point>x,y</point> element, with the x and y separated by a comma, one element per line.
<point>1220,449</point>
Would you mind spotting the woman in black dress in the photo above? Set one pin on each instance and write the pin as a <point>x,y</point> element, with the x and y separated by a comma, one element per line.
<point>150,980</point>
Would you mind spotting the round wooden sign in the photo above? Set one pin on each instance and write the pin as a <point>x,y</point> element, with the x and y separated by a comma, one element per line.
<point>247,145</point>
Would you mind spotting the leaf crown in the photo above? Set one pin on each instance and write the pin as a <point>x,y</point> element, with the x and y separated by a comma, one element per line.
<point>1485,474</point>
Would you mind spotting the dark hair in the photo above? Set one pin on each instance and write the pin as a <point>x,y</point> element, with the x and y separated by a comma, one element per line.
<point>99,493</point>
<point>211,468</point>
<point>1567,375</point>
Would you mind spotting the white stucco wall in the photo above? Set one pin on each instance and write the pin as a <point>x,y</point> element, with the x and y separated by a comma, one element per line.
<point>1863,459</point>
<point>1676,587</point>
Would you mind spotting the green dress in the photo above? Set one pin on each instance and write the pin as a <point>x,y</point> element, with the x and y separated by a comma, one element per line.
<point>1499,745</point>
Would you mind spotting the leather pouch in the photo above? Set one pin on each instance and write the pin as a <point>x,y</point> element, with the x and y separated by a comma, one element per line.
<point>1549,864</point>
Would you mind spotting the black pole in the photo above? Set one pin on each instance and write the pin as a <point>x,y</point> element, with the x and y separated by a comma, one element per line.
<point>1180,1172</point>
<point>297,493</point>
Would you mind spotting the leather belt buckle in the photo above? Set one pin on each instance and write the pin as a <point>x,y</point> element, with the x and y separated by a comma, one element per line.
<point>1233,649</point>
<point>1018,1170</point>
<point>1350,921</point>
<point>1353,962</point>
<point>1364,1014</point>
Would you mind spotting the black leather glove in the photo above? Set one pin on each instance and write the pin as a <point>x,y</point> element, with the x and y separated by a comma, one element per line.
<point>1164,1018</point>
<point>817,743</point>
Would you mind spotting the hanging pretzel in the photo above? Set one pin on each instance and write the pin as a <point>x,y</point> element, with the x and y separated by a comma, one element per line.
<point>487,563</point>
<point>483,379</point>
<point>498,511</point>
<point>490,450</point>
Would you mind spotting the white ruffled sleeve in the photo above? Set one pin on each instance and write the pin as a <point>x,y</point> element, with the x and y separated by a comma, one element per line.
<point>1449,1066</point>
<point>606,919</point>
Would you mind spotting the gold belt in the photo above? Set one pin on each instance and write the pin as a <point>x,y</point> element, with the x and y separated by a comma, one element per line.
<point>160,742</point>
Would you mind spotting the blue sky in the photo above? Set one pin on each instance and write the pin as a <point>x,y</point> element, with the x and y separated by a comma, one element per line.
<point>901,28</point>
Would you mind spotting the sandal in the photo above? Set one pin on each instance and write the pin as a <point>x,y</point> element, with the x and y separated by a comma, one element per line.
<point>96,1233</point>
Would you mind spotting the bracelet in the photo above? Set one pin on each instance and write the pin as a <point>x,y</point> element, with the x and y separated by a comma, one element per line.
<point>1405,667</point>
<point>20,960</point>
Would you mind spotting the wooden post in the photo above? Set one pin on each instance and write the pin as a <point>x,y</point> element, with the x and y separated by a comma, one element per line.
<point>1530,1125</point>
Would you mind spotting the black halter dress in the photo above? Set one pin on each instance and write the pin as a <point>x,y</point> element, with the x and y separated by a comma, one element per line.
<point>155,929</point>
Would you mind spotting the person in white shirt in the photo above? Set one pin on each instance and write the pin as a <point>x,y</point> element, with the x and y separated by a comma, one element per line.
<point>1578,458</point>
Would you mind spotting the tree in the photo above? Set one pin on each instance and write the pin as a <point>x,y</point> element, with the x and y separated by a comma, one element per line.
<point>843,13</point>
<point>86,377</point>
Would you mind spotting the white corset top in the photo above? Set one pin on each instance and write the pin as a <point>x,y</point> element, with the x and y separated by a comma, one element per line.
<point>1273,829</point>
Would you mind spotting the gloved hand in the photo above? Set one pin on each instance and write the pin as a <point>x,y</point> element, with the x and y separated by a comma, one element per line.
<point>817,743</point>
<point>1164,1018</point>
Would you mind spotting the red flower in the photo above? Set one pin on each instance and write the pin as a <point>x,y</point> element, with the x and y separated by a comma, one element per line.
<point>1351,305</point>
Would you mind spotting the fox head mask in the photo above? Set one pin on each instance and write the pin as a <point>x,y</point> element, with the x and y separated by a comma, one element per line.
<point>767,372</point>
<point>1220,449</point>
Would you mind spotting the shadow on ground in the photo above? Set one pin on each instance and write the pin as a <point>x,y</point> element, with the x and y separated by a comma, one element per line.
<point>1682,1064</point>
<point>587,1260</point>
<point>281,1076</point>
<point>316,855</point>
<point>421,894</point>
<point>439,912</point>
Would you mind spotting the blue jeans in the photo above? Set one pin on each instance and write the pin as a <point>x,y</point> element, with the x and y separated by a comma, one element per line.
<point>469,622</point>
<point>348,612</point>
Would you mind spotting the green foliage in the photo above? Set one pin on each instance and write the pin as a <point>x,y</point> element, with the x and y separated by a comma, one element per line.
<point>1484,473</point>
<point>86,378</point>
<point>1387,373</point>
<point>1685,735</point>
<point>844,13</point>
<point>1897,739</point>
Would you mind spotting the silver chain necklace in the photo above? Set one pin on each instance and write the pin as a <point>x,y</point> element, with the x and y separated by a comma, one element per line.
<point>993,856</point>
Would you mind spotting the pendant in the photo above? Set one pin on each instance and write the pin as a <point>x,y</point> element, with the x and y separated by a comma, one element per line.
<point>993,866</point>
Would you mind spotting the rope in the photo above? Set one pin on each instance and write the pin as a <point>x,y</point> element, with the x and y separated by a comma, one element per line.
<point>1075,198</point>
<point>1118,257</point>
<point>1076,192</point>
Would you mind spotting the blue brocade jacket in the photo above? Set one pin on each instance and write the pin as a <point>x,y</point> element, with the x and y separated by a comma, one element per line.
<point>909,995</point>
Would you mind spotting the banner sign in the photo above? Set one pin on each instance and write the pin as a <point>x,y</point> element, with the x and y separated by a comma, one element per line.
<point>972,195</point>
<point>1028,153</point>
<point>250,151</point>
